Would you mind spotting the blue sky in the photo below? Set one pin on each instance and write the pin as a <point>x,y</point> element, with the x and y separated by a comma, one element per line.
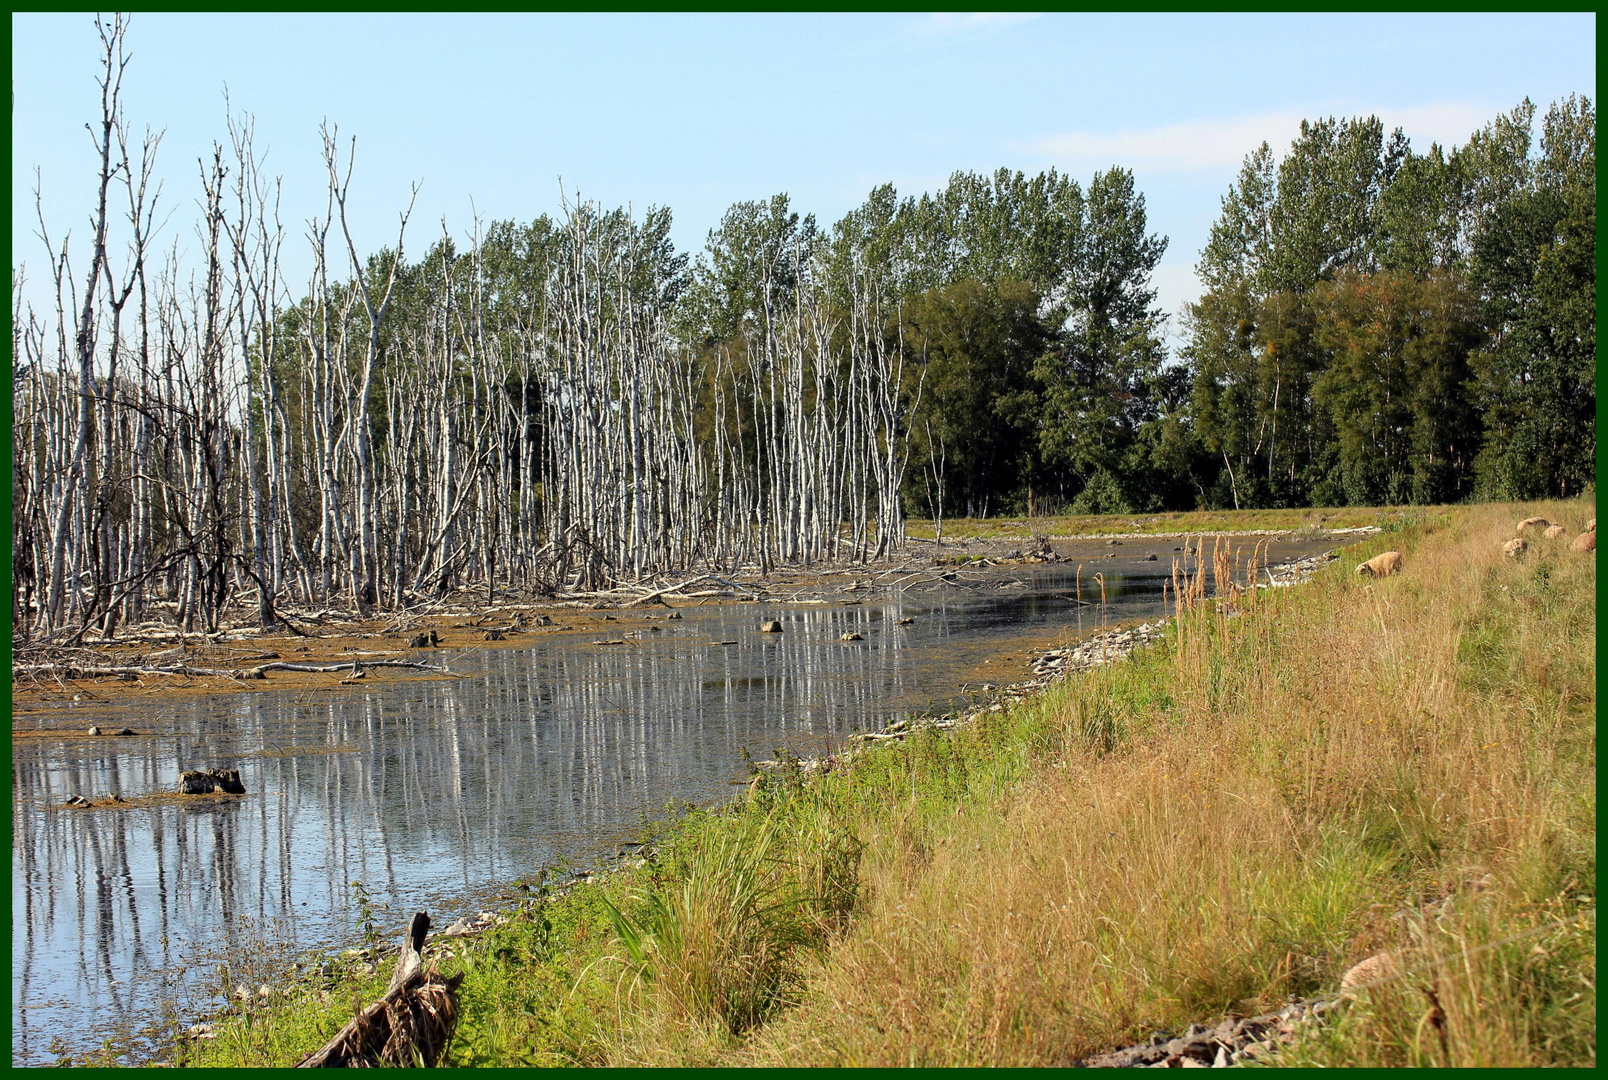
<point>695,112</point>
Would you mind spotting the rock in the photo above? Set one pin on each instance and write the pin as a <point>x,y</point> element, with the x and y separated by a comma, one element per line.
<point>772,627</point>
<point>851,636</point>
<point>1148,558</point>
<point>1113,543</point>
<point>1586,541</point>
<point>125,731</point>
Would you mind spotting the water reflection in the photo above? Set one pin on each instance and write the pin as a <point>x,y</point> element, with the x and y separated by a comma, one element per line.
<point>427,791</point>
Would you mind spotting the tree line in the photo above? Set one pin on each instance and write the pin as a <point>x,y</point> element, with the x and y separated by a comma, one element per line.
<point>570,402</point>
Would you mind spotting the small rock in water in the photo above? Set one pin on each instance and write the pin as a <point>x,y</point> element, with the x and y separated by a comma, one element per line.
<point>1113,543</point>
<point>125,731</point>
<point>772,627</point>
<point>1148,558</point>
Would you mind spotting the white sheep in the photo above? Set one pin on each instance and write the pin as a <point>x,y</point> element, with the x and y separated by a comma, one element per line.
<point>1382,565</point>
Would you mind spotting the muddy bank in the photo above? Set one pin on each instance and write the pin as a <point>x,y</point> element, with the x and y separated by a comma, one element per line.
<point>154,661</point>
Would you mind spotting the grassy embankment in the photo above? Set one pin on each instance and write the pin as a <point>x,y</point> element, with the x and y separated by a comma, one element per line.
<point>1177,521</point>
<point>1235,816</point>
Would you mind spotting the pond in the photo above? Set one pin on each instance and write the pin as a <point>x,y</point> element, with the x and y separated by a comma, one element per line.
<point>436,794</point>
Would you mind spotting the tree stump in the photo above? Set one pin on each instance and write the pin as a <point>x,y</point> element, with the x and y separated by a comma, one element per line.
<point>411,1025</point>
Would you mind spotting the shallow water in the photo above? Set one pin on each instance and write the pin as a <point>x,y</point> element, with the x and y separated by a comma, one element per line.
<point>434,793</point>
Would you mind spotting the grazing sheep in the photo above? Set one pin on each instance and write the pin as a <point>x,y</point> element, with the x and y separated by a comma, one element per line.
<point>1586,541</point>
<point>1515,547</point>
<point>1554,531</point>
<point>1536,522</point>
<point>1382,565</point>
<point>1376,969</point>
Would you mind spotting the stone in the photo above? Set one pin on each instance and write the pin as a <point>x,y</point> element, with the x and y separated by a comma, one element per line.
<point>125,731</point>
<point>1113,543</point>
<point>1148,558</point>
<point>772,627</point>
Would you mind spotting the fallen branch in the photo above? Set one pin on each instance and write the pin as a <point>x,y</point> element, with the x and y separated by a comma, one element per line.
<point>98,671</point>
<point>411,1024</point>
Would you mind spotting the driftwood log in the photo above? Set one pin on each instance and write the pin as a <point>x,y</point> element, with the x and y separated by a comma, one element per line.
<point>411,1025</point>
<point>71,670</point>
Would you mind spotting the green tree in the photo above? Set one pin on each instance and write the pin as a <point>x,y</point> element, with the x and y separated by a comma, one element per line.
<point>973,428</point>
<point>1535,260</point>
<point>1095,379</point>
<point>1395,388</point>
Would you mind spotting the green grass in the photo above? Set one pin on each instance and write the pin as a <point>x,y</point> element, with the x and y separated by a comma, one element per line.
<point>1190,521</point>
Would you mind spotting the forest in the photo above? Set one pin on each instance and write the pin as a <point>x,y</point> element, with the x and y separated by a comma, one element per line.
<point>570,402</point>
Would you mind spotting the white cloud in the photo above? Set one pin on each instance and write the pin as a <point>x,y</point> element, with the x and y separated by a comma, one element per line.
<point>960,22</point>
<point>1223,143</point>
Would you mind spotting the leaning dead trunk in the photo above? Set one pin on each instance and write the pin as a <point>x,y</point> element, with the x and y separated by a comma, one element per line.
<point>411,1025</point>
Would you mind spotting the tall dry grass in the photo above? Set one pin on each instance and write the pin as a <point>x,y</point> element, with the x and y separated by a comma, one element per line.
<point>1352,766</point>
